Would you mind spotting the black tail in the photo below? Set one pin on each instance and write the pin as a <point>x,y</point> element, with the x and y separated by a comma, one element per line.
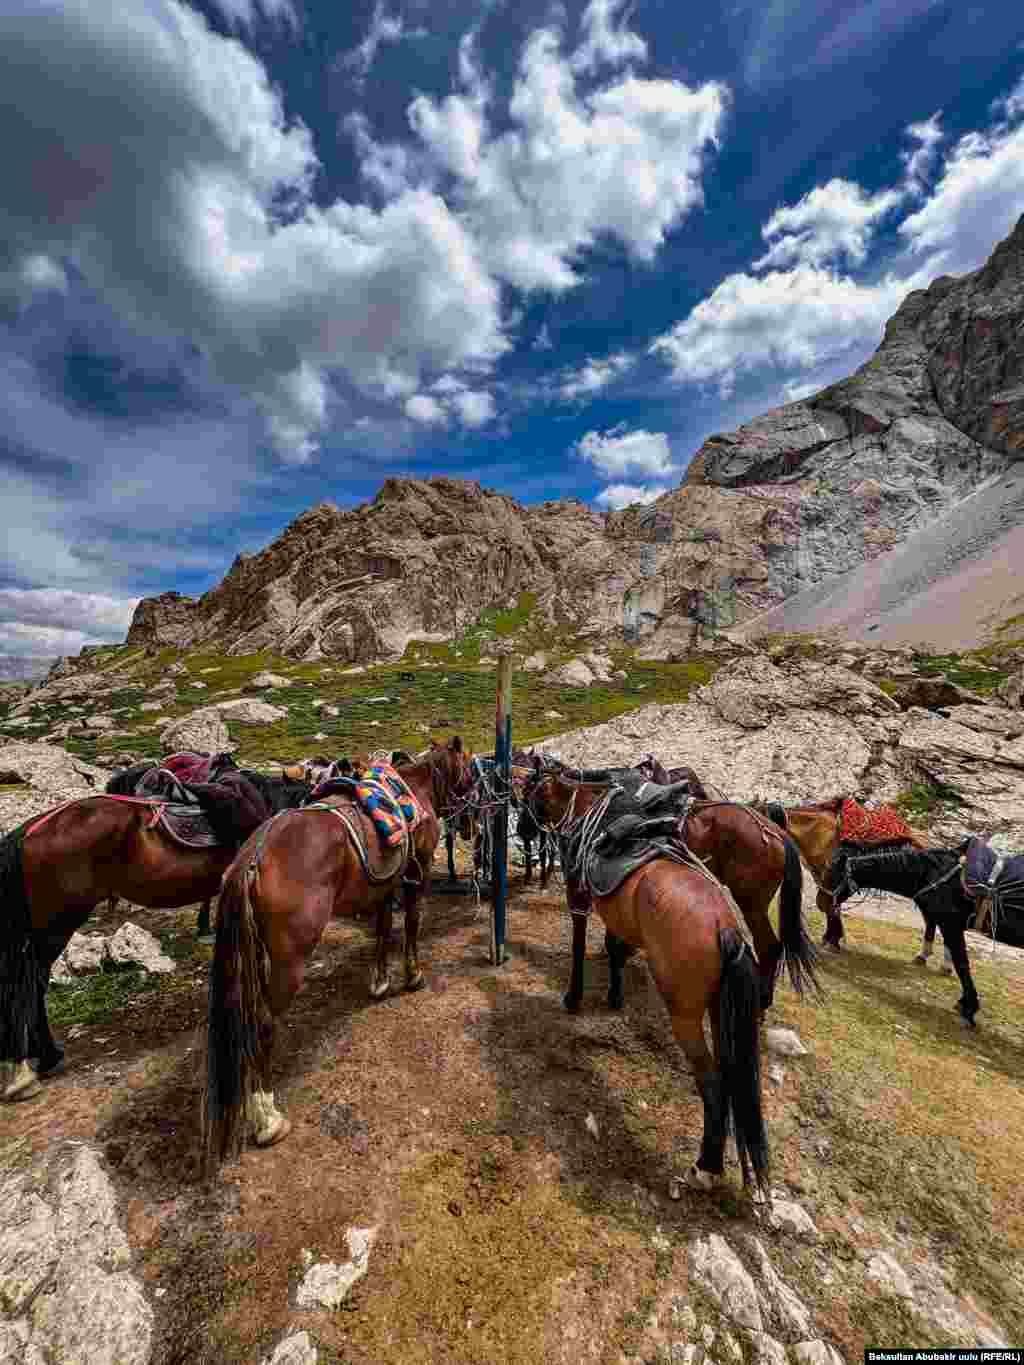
<point>798,952</point>
<point>777,813</point>
<point>19,969</point>
<point>740,1006</point>
<point>237,1006</point>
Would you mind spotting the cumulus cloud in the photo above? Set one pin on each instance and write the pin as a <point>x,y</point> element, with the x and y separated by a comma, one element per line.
<point>246,14</point>
<point>474,407</point>
<point>624,161</point>
<point>593,376</point>
<point>46,621</point>
<point>831,222</point>
<point>619,495</point>
<point>384,28</point>
<point>606,39</point>
<point>422,408</point>
<point>621,451</point>
<point>450,400</point>
<point>194,215</point>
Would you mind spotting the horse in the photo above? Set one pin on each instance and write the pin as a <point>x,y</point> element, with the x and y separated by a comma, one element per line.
<point>746,855</point>
<point>815,829</point>
<point>931,878</point>
<point>296,873</point>
<point>54,870</point>
<point>279,793</point>
<point>682,919</point>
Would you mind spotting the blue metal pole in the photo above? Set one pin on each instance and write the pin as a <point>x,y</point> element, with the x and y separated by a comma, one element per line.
<point>499,842</point>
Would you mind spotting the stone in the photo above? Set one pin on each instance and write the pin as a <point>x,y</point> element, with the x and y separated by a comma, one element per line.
<point>816,1353</point>
<point>718,1269</point>
<point>248,711</point>
<point>889,1275</point>
<point>51,770</point>
<point>780,1304</point>
<point>85,954</point>
<point>784,1042</point>
<point>785,1216</point>
<point>296,1349</point>
<point>590,1123</point>
<point>133,944</point>
<point>267,679</point>
<point>765,1350</point>
<point>1011,692</point>
<point>99,723</point>
<point>931,693</point>
<point>575,673</point>
<point>203,731</point>
<point>325,1284</point>
<point>536,663</point>
<point>64,1261</point>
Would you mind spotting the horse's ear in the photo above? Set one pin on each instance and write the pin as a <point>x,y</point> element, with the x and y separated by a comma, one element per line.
<point>455,745</point>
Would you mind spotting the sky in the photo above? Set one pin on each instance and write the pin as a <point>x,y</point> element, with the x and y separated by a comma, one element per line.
<point>257,254</point>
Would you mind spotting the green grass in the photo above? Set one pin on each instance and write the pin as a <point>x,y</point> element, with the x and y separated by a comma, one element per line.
<point>963,669</point>
<point>923,800</point>
<point>95,998</point>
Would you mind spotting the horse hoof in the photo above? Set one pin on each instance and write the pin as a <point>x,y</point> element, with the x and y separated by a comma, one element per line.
<point>831,947</point>
<point>946,971</point>
<point>921,960</point>
<point>571,1004</point>
<point>207,939</point>
<point>275,1134</point>
<point>379,987</point>
<point>416,983</point>
<point>53,1065</point>
<point>616,1002</point>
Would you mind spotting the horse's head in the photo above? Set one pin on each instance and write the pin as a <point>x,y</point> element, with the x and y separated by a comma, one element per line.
<point>546,794</point>
<point>452,773</point>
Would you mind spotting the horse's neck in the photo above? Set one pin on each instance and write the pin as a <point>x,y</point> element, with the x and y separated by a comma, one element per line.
<point>814,832</point>
<point>428,782</point>
<point>907,876</point>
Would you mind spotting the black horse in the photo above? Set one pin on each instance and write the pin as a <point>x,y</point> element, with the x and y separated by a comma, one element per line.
<point>930,877</point>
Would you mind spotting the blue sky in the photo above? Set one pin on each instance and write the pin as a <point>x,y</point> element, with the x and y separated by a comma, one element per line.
<point>259,253</point>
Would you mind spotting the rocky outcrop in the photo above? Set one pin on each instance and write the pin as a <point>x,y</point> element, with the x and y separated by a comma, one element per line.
<point>164,620</point>
<point>203,731</point>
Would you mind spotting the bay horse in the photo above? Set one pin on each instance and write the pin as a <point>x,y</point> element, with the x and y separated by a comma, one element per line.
<point>746,854</point>
<point>287,882</point>
<point>54,870</point>
<point>681,918</point>
<point>815,829</point>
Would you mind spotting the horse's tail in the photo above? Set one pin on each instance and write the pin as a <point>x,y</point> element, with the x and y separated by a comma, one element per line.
<point>776,813</point>
<point>798,952</point>
<point>237,1005</point>
<point>19,968</point>
<point>740,1011</point>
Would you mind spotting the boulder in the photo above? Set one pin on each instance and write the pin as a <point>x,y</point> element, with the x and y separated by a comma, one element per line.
<point>266,679</point>
<point>575,673</point>
<point>326,1284</point>
<point>50,770</point>
<point>131,944</point>
<point>1011,692</point>
<point>931,693</point>
<point>248,711</point>
<point>203,731</point>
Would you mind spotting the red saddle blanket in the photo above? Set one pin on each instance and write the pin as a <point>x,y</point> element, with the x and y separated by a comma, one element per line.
<point>880,825</point>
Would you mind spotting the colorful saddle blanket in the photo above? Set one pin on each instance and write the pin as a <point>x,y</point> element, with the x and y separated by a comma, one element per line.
<point>383,796</point>
<point>880,825</point>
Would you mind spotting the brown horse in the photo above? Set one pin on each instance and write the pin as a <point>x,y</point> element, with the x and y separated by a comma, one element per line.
<point>696,953</point>
<point>747,855</point>
<point>288,881</point>
<point>54,870</point>
<point>815,829</point>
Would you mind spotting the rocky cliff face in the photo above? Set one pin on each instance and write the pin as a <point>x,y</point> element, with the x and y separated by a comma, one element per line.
<point>806,491</point>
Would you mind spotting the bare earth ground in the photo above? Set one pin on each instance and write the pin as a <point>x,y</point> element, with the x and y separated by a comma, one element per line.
<point>453,1120</point>
<point>947,585</point>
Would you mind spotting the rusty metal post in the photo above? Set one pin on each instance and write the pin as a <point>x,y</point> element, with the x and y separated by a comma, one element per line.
<point>503,785</point>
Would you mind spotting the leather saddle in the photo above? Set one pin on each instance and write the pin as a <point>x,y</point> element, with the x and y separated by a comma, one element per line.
<point>380,864</point>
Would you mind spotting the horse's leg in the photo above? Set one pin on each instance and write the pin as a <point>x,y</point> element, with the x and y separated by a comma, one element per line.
<point>449,845</point>
<point>834,927</point>
<point>269,1125</point>
<point>380,981</point>
<point>707,1171</point>
<point>414,980</point>
<point>766,943</point>
<point>528,853</point>
<point>574,995</point>
<point>617,955</point>
<point>203,932</point>
<point>956,946</point>
<point>546,856</point>
<point>927,940</point>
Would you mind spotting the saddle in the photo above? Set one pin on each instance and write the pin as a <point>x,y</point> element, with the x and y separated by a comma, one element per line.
<point>223,812</point>
<point>381,862</point>
<point>995,882</point>
<point>392,808</point>
<point>638,826</point>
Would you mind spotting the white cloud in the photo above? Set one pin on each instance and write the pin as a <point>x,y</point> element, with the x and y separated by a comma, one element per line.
<point>594,376</point>
<point>625,161</point>
<point>977,199</point>
<point>422,408</point>
<point>475,408</point>
<point>919,162</point>
<point>199,219</point>
<point>603,41</point>
<point>245,14</point>
<point>832,221</point>
<point>94,613</point>
<point>619,495</point>
<point>1011,106</point>
<point>384,28</point>
<point>790,320</point>
<point>620,451</point>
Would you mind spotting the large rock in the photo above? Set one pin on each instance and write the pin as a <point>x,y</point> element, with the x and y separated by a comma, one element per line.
<point>982,766</point>
<point>719,1271</point>
<point>203,730</point>
<point>66,1293</point>
<point>132,944</point>
<point>249,711</point>
<point>50,770</point>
